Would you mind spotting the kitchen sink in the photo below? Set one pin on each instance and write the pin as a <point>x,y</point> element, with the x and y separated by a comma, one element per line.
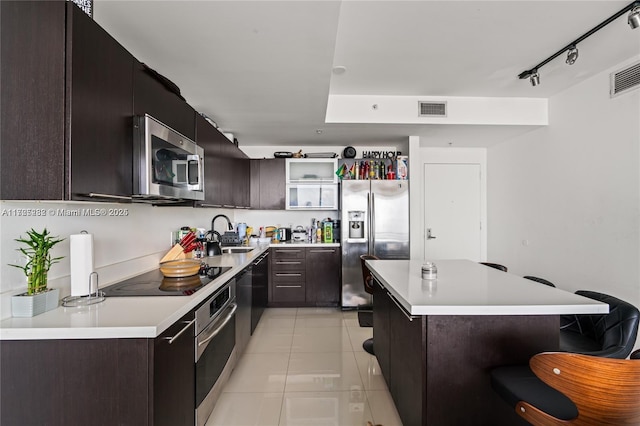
<point>237,249</point>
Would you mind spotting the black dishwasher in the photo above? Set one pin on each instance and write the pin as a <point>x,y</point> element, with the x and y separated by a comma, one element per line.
<point>243,314</point>
<point>260,288</point>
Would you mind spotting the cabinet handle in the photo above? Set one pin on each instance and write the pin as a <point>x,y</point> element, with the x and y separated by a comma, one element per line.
<point>186,327</point>
<point>288,286</point>
<point>288,275</point>
<point>114,197</point>
<point>283,262</point>
<point>322,251</point>
<point>211,205</point>
<point>228,207</point>
<point>409,317</point>
<point>287,251</point>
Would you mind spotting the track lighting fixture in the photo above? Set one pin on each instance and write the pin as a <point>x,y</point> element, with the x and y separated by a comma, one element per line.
<point>634,16</point>
<point>572,50</point>
<point>572,55</point>
<point>534,78</point>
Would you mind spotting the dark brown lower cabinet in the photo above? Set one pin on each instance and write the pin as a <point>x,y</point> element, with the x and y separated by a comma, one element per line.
<point>304,276</point>
<point>99,381</point>
<point>322,267</point>
<point>287,276</point>
<point>437,366</point>
<point>174,375</point>
<point>381,332</point>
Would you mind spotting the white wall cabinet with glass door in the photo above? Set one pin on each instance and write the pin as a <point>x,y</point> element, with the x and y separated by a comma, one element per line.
<point>312,184</point>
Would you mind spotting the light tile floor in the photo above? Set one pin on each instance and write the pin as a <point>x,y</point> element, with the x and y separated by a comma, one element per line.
<point>306,366</point>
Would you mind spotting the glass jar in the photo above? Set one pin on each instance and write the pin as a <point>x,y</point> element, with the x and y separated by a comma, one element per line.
<point>429,271</point>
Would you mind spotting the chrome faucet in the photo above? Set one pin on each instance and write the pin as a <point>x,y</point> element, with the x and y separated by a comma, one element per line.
<point>213,230</point>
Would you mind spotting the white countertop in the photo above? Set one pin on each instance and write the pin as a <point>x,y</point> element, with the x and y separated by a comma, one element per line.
<point>464,287</point>
<point>122,317</point>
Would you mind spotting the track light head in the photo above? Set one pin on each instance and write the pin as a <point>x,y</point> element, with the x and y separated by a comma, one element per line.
<point>572,55</point>
<point>534,78</point>
<point>634,17</point>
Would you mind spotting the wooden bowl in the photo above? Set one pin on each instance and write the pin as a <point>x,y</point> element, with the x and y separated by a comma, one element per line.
<point>180,268</point>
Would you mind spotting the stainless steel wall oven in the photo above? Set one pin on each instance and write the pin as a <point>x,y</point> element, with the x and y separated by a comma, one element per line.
<point>215,348</point>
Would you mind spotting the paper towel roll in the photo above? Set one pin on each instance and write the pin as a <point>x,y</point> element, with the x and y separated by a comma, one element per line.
<point>81,258</point>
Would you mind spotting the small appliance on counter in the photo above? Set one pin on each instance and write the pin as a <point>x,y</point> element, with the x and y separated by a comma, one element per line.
<point>299,235</point>
<point>284,234</point>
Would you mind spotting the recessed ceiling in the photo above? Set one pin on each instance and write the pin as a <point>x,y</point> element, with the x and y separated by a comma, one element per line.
<point>264,69</point>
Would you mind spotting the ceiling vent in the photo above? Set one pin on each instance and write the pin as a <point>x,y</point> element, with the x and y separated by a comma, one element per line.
<point>432,109</point>
<point>625,80</point>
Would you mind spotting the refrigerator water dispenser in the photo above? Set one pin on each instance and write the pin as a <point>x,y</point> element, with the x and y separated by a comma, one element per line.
<point>356,224</point>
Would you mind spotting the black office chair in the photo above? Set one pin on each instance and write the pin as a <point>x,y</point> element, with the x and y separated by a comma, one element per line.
<point>609,335</point>
<point>363,320</point>
<point>539,280</point>
<point>495,266</point>
<point>635,355</point>
<point>559,388</point>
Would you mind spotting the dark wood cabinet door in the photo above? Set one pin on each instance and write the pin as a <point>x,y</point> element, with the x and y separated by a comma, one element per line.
<point>407,365</point>
<point>174,375</point>
<point>268,184</point>
<point>32,70</point>
<point>381,331</point>
<point>151,97</point>
<point>227,170</point>
<point>210,139</point>
<point>101,382</point>
<point>323,276</point>
<point>99,101</point>
<point>241,178</point>
<point>259,289</point>
<point>254,184</point>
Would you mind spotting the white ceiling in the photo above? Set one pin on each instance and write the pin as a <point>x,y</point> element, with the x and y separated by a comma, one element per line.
<point>263,69</point>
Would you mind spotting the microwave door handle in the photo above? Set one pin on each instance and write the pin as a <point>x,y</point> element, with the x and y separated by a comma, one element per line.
<point>198,160</point>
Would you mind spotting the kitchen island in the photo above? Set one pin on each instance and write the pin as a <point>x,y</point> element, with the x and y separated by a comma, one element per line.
<point>436,340</point>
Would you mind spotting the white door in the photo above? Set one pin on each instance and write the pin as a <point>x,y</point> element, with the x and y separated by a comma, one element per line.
<point>452,211</point>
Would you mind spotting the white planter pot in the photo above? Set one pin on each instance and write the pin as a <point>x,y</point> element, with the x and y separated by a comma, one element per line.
<point>24,305</point>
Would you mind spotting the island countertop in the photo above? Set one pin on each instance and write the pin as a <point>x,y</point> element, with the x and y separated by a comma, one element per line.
<point>464,287</point>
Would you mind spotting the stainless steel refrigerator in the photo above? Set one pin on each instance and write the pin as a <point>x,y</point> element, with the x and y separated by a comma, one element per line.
<point>374,220</point>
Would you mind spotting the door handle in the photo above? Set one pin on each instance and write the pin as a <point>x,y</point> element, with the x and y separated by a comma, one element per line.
<point>429,236</point>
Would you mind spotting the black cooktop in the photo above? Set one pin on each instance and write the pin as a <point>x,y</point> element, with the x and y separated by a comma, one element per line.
<point>153,283</point>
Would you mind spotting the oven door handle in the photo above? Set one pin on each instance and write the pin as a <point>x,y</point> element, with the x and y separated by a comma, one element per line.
<point>215,332</point>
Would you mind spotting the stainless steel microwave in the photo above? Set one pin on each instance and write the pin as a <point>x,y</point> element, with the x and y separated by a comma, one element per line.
<point>168,166</point>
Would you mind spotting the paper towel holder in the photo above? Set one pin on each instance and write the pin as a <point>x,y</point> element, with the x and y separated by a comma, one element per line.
<point>89,299</point>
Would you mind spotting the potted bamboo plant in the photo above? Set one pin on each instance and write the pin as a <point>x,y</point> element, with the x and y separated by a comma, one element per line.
<point>38,298</point>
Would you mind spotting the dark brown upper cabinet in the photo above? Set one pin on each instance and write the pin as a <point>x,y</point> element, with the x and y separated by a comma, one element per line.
<point>268,184</point>
<point>66,105</point>
<point>99,104</point>
<point>152,94</point>
<point>32,153</point>
<point>226,169</point>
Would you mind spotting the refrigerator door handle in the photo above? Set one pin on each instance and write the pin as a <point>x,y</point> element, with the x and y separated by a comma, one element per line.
<point>372,227</point>
<point>368,224</point>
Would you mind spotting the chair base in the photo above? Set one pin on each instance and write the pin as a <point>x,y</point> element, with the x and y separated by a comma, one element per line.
<point>367,345</point>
